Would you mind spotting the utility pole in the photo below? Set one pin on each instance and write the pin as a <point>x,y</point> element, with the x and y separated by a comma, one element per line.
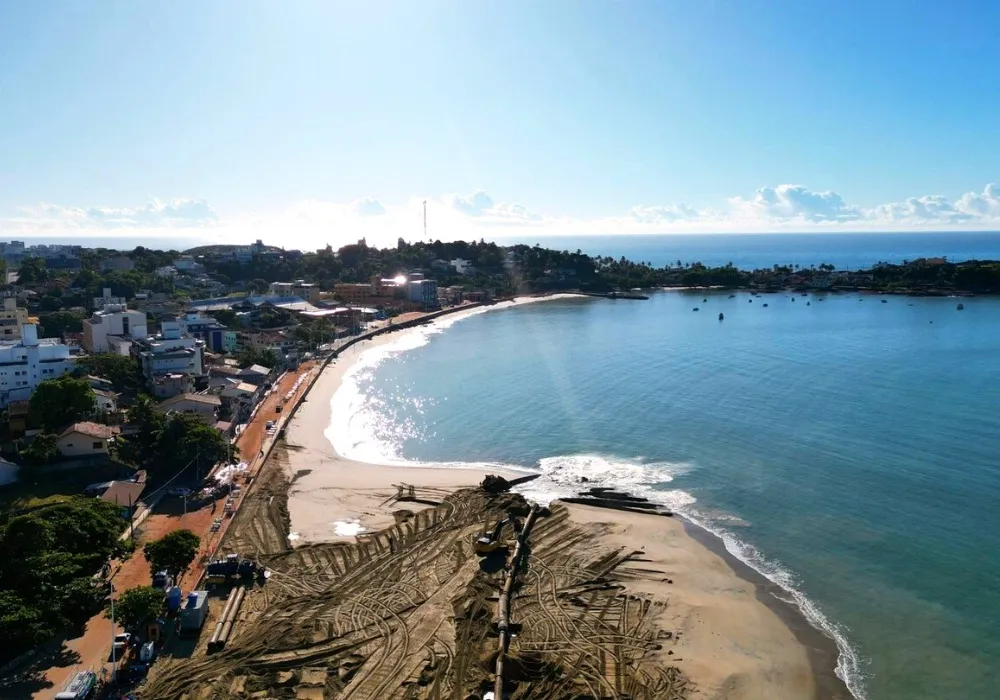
<point>114,664</point>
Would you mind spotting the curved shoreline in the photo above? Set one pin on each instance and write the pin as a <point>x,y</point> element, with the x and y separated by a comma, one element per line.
<point>353,492</point>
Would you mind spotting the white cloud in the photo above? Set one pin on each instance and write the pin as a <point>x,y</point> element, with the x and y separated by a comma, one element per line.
<point>174,212</point>
<point>312,223</point>
<point>795,203</point>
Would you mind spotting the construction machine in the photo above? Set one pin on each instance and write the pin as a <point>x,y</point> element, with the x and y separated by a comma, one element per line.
<point>489,543</point>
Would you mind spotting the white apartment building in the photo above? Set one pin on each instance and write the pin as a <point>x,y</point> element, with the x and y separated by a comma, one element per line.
<point>27,362</point>
<point>112,326</point>
<point>170,352</point>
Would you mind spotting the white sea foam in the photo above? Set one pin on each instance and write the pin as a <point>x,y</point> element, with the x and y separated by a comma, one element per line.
<point>850,664</point>
<point>352,434</point>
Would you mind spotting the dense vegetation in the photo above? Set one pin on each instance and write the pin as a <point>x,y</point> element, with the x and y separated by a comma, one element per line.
<point>56,403</point>
<point>48,556</point>
<point>163,445</point>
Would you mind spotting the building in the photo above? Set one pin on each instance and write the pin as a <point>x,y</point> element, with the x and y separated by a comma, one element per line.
<point>298,288</point>
<point>205,406</point>
<point>216,336</point>
<point>119,263</point>
<point>125,495</point>
<point>462,267</point>
<point>255,374</point>
<point>171,385</point>
<point>187,263</point>
<point>12,317</point>
<point>86,439</point>
<point>169,352</point>
<point>113,326</point>
<point>423,292</point>
<point>27,362</point>
<point>353,293</point>
<point>105,401</point>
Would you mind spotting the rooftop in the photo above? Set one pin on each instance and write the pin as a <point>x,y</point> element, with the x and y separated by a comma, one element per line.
<point>207,399</point>
<point>94,430</point>
<point>123,493</point>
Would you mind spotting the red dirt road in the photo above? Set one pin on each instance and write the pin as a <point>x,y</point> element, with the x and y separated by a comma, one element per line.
<point>93,648</point>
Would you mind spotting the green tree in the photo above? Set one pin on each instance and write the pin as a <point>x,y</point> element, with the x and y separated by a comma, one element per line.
<point>32,271</point>
<point>58,402</point>
<point>140,447</point>
<point>136,607</point>
<point>173,552</point>
<point>187,440</point>
<point>266,357</point>
<point>48,555</point>
<point>58,322</point>
<point>123,372</point>
<point>44,449</point>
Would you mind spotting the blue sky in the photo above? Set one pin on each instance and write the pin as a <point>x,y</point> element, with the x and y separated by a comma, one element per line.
<point>304,118</point>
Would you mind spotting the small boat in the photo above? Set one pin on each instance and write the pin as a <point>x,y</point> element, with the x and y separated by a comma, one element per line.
<point>885,301</point>
<point>732,296</point>
<point>695,309</point>
<point>749,301</point>
<point>960,307</point>
<point>793,298</point>
<point>808,304</point>
<point>721,317</point>
<point>765,306</point>
<point>704,301</point>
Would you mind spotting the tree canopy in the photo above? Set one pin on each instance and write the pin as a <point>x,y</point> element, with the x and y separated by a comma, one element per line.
<point>164,444</point>
<point>44,448</point>
<point>58,402</point>
<point>173,552</point>
<point>32,271</point>
<point>47,558</point>
<point>137,607</point>
<point>265,357</point>
<point>123,372</point>
<point>56,323</point>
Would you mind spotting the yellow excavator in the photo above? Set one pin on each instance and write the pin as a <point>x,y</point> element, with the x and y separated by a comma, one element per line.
<point>487,544</point>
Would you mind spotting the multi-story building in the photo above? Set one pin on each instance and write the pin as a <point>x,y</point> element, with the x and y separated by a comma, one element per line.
<point>12,317</point>
<point>26,363</point>
<point>298,288</point>
<point>353,293</point>
<point>216,336</point>
<point>423,292</point>
<point>113,326</point>
<point>170,352</point>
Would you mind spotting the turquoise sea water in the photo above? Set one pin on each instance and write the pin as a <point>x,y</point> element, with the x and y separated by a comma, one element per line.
<point>848,449</point>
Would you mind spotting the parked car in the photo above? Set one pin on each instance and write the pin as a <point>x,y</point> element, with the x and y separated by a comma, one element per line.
<point>122,641</point>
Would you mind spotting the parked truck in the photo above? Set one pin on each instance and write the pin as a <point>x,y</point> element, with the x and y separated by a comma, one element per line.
<point>233,566</point>
<point>194,612</point>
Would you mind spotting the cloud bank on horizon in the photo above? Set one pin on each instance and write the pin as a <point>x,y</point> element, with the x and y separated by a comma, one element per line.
<point>311,222</point>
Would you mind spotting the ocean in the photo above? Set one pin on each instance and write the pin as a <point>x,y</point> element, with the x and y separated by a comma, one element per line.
<point>845,251</point>
<point>844,447</point>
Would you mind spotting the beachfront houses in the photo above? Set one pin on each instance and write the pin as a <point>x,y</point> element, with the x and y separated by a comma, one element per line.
<point>26,363</point>
<point>113,326</point>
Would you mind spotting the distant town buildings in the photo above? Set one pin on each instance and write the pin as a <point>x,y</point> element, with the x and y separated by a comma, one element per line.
<point>26,363</point>
<point>113,326</point>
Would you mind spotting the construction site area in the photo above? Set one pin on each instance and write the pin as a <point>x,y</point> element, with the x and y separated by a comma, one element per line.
<point>470,594</point>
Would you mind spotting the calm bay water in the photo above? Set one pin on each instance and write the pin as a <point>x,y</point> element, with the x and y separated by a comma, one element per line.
<point>847,449</point>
